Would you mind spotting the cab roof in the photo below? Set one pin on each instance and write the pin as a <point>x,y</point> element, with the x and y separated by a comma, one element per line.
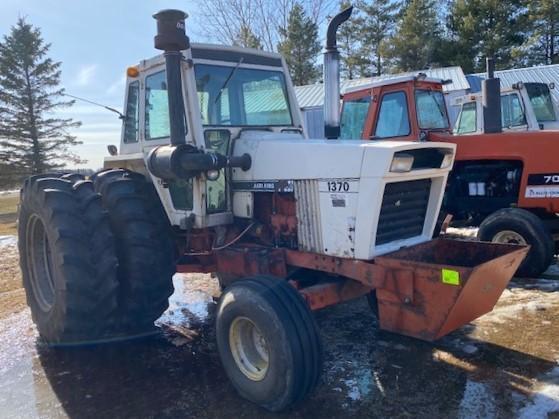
<point>226,53</point>
<point>387,82</point>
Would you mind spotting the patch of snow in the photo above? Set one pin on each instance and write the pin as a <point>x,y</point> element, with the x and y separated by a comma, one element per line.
<point>539,284</point>
<point>9,192</point>
<point>470,349</point>
<point>514,302</point>
<point>360,386</point>
<point>545,399</point>
<point>187,306</point>
<point>478,402</point>
<point>17,338</point>
<point>8,241</point>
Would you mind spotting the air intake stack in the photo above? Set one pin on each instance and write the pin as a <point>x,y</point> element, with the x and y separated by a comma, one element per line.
<point>171,38</point>
<point>491,94</point>
<point>332,76</point>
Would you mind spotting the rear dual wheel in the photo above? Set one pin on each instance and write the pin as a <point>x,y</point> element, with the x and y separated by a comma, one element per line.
<point>96,257</point>
<point>268,342</point>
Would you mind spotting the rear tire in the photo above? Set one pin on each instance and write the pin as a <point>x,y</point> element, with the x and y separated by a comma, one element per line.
<point>268,342</point>
<point>518,226</point>
<point>145,248</point>
<point>68,260</point>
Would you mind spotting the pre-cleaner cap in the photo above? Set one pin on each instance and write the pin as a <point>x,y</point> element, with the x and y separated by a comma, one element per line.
<point>171,35</point>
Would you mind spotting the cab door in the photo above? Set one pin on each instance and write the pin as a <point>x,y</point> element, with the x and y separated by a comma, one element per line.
<point>390,114</point>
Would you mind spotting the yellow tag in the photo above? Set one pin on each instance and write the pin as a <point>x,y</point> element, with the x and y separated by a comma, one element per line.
<point>450,277</point>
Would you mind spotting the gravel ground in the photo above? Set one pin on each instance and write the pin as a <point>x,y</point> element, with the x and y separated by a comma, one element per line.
<point>503,365</point>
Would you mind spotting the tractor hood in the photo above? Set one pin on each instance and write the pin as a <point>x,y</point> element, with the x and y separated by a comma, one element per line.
<point>290,157</point>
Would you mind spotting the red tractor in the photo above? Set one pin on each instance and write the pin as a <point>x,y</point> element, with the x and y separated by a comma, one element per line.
<point>507,183</point>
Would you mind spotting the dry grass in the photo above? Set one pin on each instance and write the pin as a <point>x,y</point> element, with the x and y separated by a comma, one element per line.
<point>8,214</point>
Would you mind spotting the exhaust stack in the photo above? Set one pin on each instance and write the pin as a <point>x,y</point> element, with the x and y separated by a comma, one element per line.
<point>491,94</point>
<point>332,76</point>
<point>172,39</point>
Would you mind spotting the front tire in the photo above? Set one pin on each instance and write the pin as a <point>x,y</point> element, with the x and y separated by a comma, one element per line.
<point>518,226</point>
<point>68,260</point>
<point>268,342</point>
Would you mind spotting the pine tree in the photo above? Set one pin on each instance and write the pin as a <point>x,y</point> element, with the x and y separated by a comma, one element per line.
<point>542,46</point>
<point>353,57</point>
<point>247,39</point>
<point>300,46</point>
<point>32,139</point>
<point>486,28</point>
<point>413,46</point>
<point>378,26</point>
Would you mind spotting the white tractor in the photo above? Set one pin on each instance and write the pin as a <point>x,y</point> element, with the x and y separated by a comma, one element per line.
<point>524,107</point>
<point>214,174</point>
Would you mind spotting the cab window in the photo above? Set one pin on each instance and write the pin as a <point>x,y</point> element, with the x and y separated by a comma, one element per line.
<point>393,119</point>
<point>512,114</point>
<point>131,120</point>
<point>467,122</point>
<point>540,98</point>
<point>157,107</point>
<point>431,109</point>
<point>354,113</point>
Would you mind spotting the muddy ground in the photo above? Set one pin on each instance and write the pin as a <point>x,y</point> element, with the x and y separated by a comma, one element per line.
<point>505,364</point>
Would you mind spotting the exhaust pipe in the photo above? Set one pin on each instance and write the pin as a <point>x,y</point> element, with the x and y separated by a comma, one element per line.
<point>172,39</point>
<point>491,94</point>
<point>331,71</point>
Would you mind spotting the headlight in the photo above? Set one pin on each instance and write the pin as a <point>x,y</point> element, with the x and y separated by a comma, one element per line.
<point>401,163</point>
<point>447,160</point>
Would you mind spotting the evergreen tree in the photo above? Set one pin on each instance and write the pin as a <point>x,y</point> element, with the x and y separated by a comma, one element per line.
<point>31,138</point>
<point>486,28</point>
<point>353,57</point>
<point>414,45</point>
<point>542,46</point>
<point>247,39</point>
<point>300,46</point>
<point>378,26</point>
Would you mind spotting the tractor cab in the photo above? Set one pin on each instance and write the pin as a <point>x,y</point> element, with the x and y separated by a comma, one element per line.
<point>524,107</point>
<point>404,108</point>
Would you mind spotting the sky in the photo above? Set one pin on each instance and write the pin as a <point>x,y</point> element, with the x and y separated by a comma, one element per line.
<point>96,41</point>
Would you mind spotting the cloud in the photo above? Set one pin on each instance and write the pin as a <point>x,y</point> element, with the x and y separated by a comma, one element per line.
<point>85,75</point>
<point>117,86</point>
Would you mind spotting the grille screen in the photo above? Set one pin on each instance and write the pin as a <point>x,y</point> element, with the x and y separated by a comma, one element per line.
<point>403,210</point>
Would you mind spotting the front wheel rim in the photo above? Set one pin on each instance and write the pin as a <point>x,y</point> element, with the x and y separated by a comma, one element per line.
<point>249,348</point>
<point>509,237</point>
<point>39,263</point>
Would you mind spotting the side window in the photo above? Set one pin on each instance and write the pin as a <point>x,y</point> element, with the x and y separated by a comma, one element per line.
<point>157,107</point>
<point>468,119</point>
<point>512,114</point>
<point>131,123</point>
<point>216,190</point>
<point>354,113</point>
<point>393,119</point>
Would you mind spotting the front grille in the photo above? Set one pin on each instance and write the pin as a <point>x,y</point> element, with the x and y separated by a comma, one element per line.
<point>403,210</point>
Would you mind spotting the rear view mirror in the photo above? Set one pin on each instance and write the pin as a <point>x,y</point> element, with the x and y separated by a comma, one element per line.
<point>218,140</point>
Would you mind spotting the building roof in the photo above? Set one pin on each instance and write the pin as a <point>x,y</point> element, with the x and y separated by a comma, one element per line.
<point>543,74</point>
<point>312,95</point>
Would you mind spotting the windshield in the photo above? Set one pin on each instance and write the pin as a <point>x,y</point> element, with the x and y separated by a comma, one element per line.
<point>353,117</point>
<point>512,114</point>
<point>541,101</point>
<point>237,96</point>
<point>431,109</point>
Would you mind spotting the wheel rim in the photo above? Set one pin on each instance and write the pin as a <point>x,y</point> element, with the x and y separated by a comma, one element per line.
<point>39,263</point>
<point>509,237</point>
<point>249,348</point>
